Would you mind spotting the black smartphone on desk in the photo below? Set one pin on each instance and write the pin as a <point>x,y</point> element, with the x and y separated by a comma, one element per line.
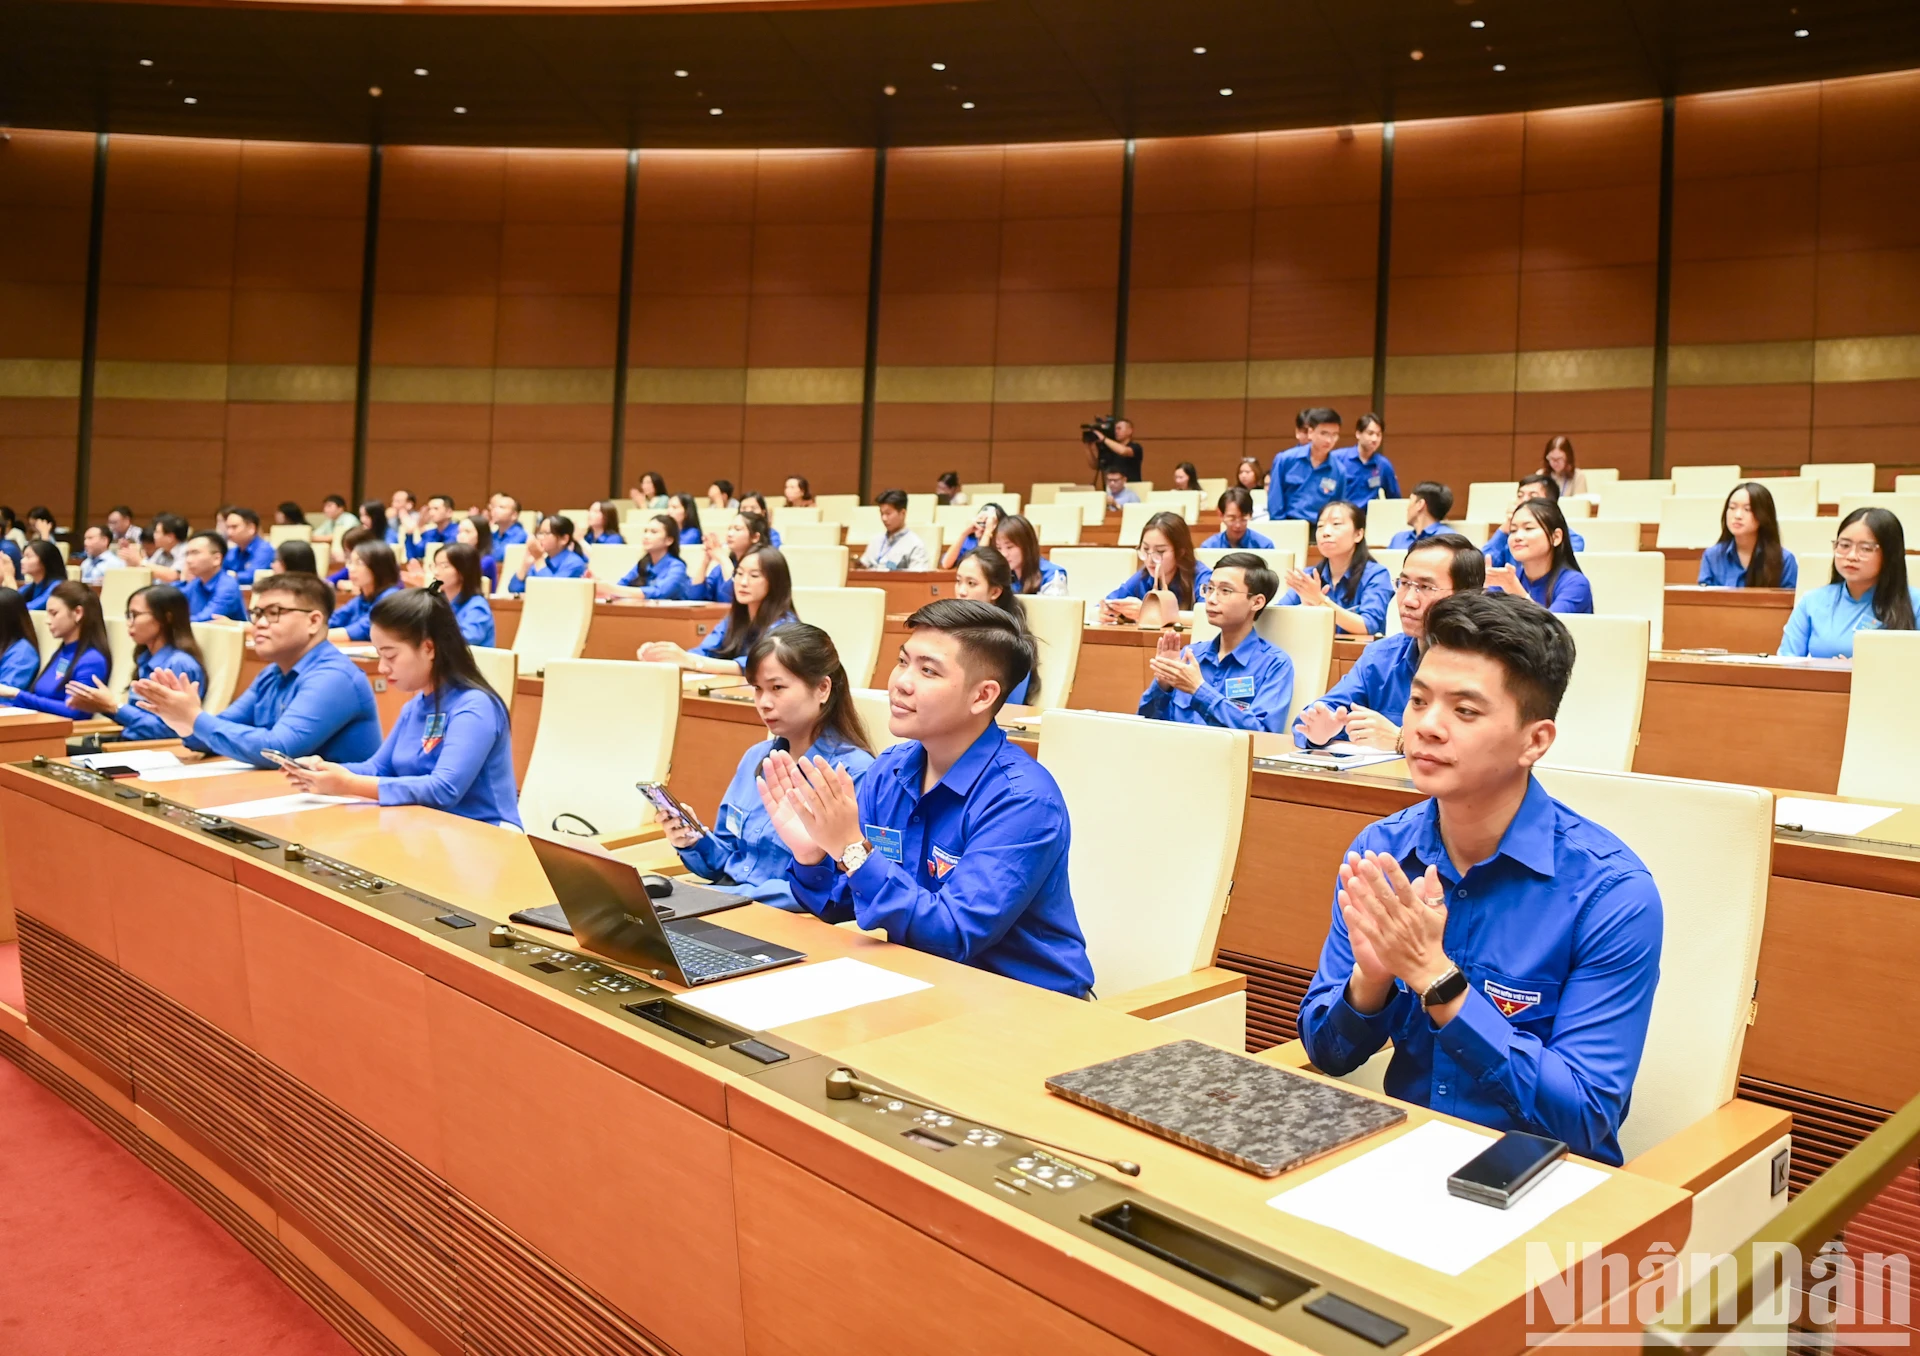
<point>1507,1170</point>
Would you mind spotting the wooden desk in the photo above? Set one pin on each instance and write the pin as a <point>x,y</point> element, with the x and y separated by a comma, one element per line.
<point>345,1081</point>
<point>619,629</point>
<point>906,590</point>
<point>1735,722</point>
<point>1745,621</point>
<point>25,734</point>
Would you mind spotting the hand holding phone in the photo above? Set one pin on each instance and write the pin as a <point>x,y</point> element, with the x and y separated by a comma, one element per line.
<point>671,811</point>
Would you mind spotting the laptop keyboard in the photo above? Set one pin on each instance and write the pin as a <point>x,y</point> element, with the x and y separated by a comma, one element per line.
<point>702,960</point>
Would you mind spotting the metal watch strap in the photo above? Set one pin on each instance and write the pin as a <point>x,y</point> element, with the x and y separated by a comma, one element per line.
<point>1445,989</point>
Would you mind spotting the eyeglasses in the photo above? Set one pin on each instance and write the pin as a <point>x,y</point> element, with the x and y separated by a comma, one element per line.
<point>1417,588</point>
<point>1213,590</point>
<point>1863,549</point>
<point>270,615</point>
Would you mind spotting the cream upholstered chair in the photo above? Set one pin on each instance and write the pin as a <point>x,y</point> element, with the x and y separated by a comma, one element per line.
<point>1793,496</point>
<point>958,516</point>
<point>855,618</point>
<point>1906,484</point>
<point>1707,480</point>
<point>1690,521</point>
<point>1816,571</point>
<point>317,521</point>
<point>1883,728</point>
<point>43,636</point>
<point>790,513</point>
<point>120,653</point>
<point>1905,507</point>
<point>1391,559</point>
<point>510,557</point>
<point>1289,534</point>
<point>1629,584</point>
<point>1043,491</point>
<point>863,524</point>
<point>816,567</point>
<point>530,519</point>
<point>1488,501</point>
<point>610,561</point>
<point>1212,487</point>
<point>553,622</point>
<point>1635,500</point>
<point>1840,478</point>
<point>1055,524</point>
<point>1384,518</point>
<point>222,646</point>
<point>1143,488</point>
<point>1600,475</point>
<point>1574,506</point>
<point>1808,534</point>
<point>1278,561</point>
<point>875,711</point>
<point>1058,624</point>
<point>116,586</point>
<point>1599,722</point>
<point>1186,503</point>
<point>809,534</point>
<point>1152,919</point>
<point>1607,534</point>
<point>280,532</point>
<point>323,558</point>
<point>501,669</point>
<point>977,491</point>
<point>834,508</point>
<point>604,725</point>
<point>1091,503</point>
<point>1305,633</point>
<point>922,505</point>
<point>1095,571</point>
<point>1133,520</point>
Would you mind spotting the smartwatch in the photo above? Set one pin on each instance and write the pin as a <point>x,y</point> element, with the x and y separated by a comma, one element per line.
<point>1445,989</point>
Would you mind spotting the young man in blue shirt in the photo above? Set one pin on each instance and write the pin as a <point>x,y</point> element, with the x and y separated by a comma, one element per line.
<point>1236,511</point>
<point>1506,945</point>
<point>1306,479</point>
<point>1369,474</point>
<point>248,553</point>
<point>1239,679</point>
<point>211,592</point>
<point>503,512</point>
<point>1427,510</point>
<point>308,699</point>
<point>955,842</point>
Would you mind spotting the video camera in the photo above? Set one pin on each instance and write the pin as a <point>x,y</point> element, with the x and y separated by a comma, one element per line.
<point>1102,426</point>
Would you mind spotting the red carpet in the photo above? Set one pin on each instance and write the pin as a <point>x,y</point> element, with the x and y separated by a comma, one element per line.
<point>99,1257</point>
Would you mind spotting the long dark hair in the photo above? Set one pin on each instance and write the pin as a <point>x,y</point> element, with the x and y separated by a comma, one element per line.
<point>16,623</point>
<point>375,513</point>
<point>609,518</point>
<point>93,626</point>
<point>418,615</point>
<point>807,653</point>
<point>171,610</point>
<point>1551,520</point>
<point>757,498</point>
<point>1019,531</point>
<point>997,570</point>
<point>1559,443</point>
<point>744,627</point>
<point>482,535</point>
<point>673,533</point>
<point>692,508</point>
<point>466,561</point>
<point>1174,528</point>
<point>757,527</point>
<point>1769,559</point>
<point>1193,474</point>
<point>1346,589</point>
<point>377,556</point>
<point>53,562</point>
<point>296,557</point>
<point>659,483</point>
<point>1892,604</point>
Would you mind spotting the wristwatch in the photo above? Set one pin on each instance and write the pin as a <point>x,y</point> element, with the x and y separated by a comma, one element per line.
<point>1445,989</point>
<point>852,859</point>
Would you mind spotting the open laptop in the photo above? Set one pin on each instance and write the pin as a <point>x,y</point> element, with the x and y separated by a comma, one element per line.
<point>609,910</point>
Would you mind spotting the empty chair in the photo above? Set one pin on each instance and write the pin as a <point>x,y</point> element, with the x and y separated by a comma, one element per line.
<point>1212,487</point>
<point>1906,484</point>
<point>1186,503</point>
<point>791,513</point>
<point>1599,722</point>
<point>1042,491</point>
<point>604,725</point>
<point>120,653</point>
<point>1793,496</point>
<point>280,532</point>
<point>1576,506</point>
<point>1055,524</point>
<point>1391,559</point>
<point>610,562</point>
<point>1635,500</point>
<point>951,515</point>
<point>1813,535</point>
<point>43,636</point>
<point>1384,518</point>
<point>834,508</point>
<point>863,524</point>
<point>222,646</point>
<point>1714,480</point>
<point>809,534</point>
<point>921,505</point>
<point>1058,624</point>
<point>501,669</point>
<point>1600,475</point>
<point>322,558</point>
<point>1816,570</point>
<point>875,710</point>
<point>1091,503</point>
<point>1305,633</point>
<point>1608,534</point>
<point>1690,520</point>
<point>855,618</point>
<point>1277,561</point>
<point>553,622</point>
<point>1883,725</point>
<point>1905,507</point>
<point>816,567</point>
<point>1292,534</point>
<point>1472,529</point>
<point>1629,584</point>
<point>116,586</point>
<point>510,557</point>
<point>1489,501</point>
<point>977,490</point>
<point>1839,478</point>
<point>1095,571</point>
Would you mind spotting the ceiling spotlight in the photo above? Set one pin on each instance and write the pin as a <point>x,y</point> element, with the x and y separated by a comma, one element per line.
<point>419,70</point>
<point>1476,23</point>
<point>682,75</point>
<point>715,112</point>
<point>1199,51</point>
<point>889,90</point>
<point>192,100</point>
<point>1226,93</point>
<point>939,65</point>
<point>374,90</point>
<point>1499,66</point>
<point>967,104</point>
<point>459,108</point>
<point>1801,33</point>
<point>146,61</point>
<point>1417,54</point>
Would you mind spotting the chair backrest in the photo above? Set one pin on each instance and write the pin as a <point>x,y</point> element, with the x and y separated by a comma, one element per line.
<point>1690,520</point>
<point>1607,534</point>
<point>1713,480</point>
<point>611,561</point>
<point>1488,501</point>
<point>1905,507</point>
<point>834,508</point>
<point>1714,905</point>
<point>816,567</point>
<point>1906,484</point>
<point>1635,500</point>
<point>1384,518</point>
<point>280,532</point>
<point>855,618</point>
<point>1816,570</point>
<point>1793,496</point>
<point>1290,534</point>
<point>43,636</point>
<point>809,534</point>
<point>222,646</point>
<point>501,669</point>
<point>530,519</point>
<point>1391,559</point>
<point>875,710</point>
<point>1148,915</point>
<point>1091,503</point>
<point>1305,633</point>
<point>120,653</point>
<point>317,521</point>
<point>951,515</point>
<point>1839,478</point>
<point>1812,535</point>
<point>1600,475</point>
<point>1211,488</point>
<point>1055,524</point>
<point>791,513</point>
<point>1133,520</point>
<point>975,490</point>
<point>922,505</point>
<point>1472,529</point>
<point>604,725</point>
<point>1058,624</point>
<point>1599,721</point>
<point>510,557</point>
<point>553,622</point>
<point>1576,506</point>
<point>1095,571</point>
<point>1277,561</point>
<point>1883,725</point>
<point>1042,491</point>
<point>116,586</point>
<point>322,558</point>
<point>863,524</point>
<point>1186,503</point>
<point>1629,584</point>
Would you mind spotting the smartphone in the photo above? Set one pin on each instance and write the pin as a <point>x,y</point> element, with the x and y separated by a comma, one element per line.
<point>117,771</point>
<point>668,807</point>
<point>279,759</point>
<point>1509,1168</point>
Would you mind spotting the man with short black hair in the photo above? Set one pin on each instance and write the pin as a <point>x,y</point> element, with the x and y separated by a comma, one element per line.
<point>309,699</point>
<point>1305,479</point>
<point>120,525</point>
<point>248,553</point>
<point>211,592</point>
<point>168,536</point>
<point>1239,679</point>
<point>96,555</point>
<point>1236,511</point>
<point>503,515</point>
<point>1116,451</point>
<point>1119,494</point>
<point>340,518</point>
<point>897,548</point>
<point>1368,703</point>
<point>1506,945</point>
<point>1427,509</point>
<point>955,842</point>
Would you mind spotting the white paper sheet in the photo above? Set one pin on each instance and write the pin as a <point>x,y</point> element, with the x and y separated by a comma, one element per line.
<point>188,772</point>
<point>1349,756</point>
<point>1829,816</point>
<point>1396,1199</point>
<point>281,805</point>
<point>763,1002</point>
<point>143,760</point>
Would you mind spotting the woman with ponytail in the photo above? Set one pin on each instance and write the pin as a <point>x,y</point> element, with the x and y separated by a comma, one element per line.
<point>451,748</point>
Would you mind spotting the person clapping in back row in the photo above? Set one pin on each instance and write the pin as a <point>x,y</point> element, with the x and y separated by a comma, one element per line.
<point>762,600</point>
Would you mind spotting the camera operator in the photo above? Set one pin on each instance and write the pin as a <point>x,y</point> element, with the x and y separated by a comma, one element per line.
<point>1110,447</point>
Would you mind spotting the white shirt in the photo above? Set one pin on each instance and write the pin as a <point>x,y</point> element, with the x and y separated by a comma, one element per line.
<point>93,567</point>
<point>901,551</point>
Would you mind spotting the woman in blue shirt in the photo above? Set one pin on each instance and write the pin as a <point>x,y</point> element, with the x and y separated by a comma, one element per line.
<point>659,575</point>
<point>603,524</point>
<point>42,567</point>
<point>1748,554</point>
<point>1166,562</point>
<point>1544,567</point>
<point>1032,572</point>
<point>986,526</point>
<point>551,554</point>
<point>986,576</point>
<point>477,532</point>
<point>762,600</point>
<point>1348,579</point>
<point>73,616</point>
<point>160,624</point>
<point>684,509</point>
<point>724,552</point>
<point>1869,591</point>
<point>457,567</point>
<point>451,747</point>
<point>19,644</point>
<point>374,573</point>
<point>801,693</point>
<point>343,550</point>
<point>755,502</point>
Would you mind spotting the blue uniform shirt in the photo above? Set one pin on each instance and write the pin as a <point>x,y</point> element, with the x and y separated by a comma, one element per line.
<point>355,616</point>
<point>1406,536</point>
<point>20,664</point>
<point>1249,541</point>
<point>513,534</point>
<point>456,756</point>
<point>1564,590</point>
<point>1371,599</point>
<point>1720,567</point>
<point>1138,586</point>
<point>1296,488</point>
<point>565,565</point>
<point>1248,690</point>
<point>689,536</point>
<point>218,598</point>
<point>36,595</point>
<point>606,539</point>
<point>1048,573</point>
<point>138,724</point>
<point>475,615</point>
<point>1559,935</point>
<point>243,562</point>
<point>665,580</point>
<point>743,854</point>
<point>974,870</point>
<point>717,637</point>
<point>1372,478</point>
<point>322,705</point>
<point>1380,680</point>
<point>1823,622</point>
<point>428,536</point>
<point>717,588</point>
<point>48,691</point>
<point>1498,554</point>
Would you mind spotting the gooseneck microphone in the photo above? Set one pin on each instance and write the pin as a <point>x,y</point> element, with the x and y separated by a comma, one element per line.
<point>843,1085</point>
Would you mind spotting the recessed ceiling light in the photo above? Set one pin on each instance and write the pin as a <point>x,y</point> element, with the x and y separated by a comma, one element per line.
<point>716,112</point>
<point>1199,51</point>
<point>680,75</point>
<point>1801,33</point>
<point>1417,54</point>
<point>374,90</point>
<point>1226,93</point>
<point>967,104</point>
<point>1498,66</point>
<point>192,100</point>
<point>459,108</point>
<point>939,65</point>
<point>419,70</point>
<point>1476,23</point>
<point>889,90</point>
<point>146,61</point>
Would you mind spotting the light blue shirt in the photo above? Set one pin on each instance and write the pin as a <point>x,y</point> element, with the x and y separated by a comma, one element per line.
<point>1720,567</point>
<point>664,580</point>
<point>1249,541</point>
<point>1053,580</point>
<point>355,616</point>
<point>1823,622</point>
<point>1371,599</point>
<point>322,705</point>
<point>565,565</point>
<point>1248,690</point>
<point>1296,488</point>
<point>456,756</point>
<point>475,615</point>
<point>93,569</point>
<point>219,598</point>
<point>138,724</point>
<point>20,663</point>
<point>1380,680</point>
<point>743,854</point>
<point>1141,584</point>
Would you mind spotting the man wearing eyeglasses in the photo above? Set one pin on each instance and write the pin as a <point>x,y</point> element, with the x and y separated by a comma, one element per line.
<point>1238,679</point>
<point>1367,705</point>
<point>309,699</point>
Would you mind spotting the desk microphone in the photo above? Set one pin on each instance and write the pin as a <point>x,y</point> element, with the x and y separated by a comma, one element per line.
<point>843,1085</point>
